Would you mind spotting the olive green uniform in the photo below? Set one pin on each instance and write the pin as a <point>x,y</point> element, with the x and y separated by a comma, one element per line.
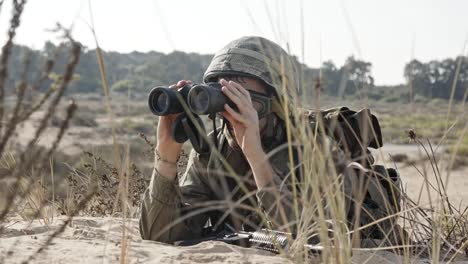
<point>207,193</point>
<point>173,211</point>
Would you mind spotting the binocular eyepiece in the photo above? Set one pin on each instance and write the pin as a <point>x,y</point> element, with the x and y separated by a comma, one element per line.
<point>201,99</point>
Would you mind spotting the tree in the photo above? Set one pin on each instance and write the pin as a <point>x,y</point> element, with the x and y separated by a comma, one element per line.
<point>330,78</point>
<point>436,79</point>
<point>416,74</point>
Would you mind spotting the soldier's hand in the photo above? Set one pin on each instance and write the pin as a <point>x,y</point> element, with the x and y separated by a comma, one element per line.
<point>246,128</point>
<point>245,123</point>
<point>167,147</point>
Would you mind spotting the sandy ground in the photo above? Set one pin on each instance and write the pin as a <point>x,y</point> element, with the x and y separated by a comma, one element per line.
<point>99,240</point>
<point>72,142</point>
<point>455,180</point>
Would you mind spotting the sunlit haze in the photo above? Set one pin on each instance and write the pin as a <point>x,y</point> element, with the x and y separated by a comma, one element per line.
<point>386,33</point>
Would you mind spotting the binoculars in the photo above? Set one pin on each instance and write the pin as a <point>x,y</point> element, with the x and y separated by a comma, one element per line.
<point>199,99</point>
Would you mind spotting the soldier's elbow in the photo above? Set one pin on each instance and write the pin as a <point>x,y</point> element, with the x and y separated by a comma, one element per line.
<point>147,232</point>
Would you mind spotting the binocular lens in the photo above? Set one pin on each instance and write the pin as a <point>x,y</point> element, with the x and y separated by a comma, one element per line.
<point>199,100</point>
<point>161,102</point>
<point>158,101</point>
<point>165,101</point>
<point>207,98</point>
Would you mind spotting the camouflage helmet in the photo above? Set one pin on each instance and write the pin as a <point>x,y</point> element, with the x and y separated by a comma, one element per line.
<point>258,57</point>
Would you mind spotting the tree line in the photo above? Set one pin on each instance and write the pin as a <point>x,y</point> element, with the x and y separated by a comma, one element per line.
<point>138,72</point>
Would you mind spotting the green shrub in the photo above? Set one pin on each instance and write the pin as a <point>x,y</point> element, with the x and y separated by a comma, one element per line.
<point>123,86</point>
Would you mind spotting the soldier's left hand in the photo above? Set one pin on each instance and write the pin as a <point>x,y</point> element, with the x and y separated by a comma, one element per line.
<point>245,123</point>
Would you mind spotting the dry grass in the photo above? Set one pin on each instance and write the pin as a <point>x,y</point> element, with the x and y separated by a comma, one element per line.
<point>113,185</point>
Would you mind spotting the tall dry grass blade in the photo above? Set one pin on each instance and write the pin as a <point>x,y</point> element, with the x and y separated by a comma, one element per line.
<point>251,18</point>
<point>354,35</point>
<point>71,109</point>
<point>43,76</point>
<point>102,70</point>
<point>6,52</point>
<point>1,5</point>
<point>160,14</point>
<point>124,201</point>
<point>455,81</point>
<point>14,119</point>
<point>105,86</point>
<point>52,179</point>
<point>271,21</point>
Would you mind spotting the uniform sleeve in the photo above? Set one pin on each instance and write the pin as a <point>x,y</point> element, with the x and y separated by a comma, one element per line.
<point>169,212</point>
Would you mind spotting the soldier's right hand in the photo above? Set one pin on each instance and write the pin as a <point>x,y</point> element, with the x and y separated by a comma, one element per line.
<point>167,147</point>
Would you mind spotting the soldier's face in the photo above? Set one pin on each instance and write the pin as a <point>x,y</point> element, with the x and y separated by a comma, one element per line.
<point>252,85</point>
<point>255,86</point>
<point>259,87</point>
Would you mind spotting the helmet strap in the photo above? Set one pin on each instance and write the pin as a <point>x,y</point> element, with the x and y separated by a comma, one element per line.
<point>273,132</point>
<point>277,108</point>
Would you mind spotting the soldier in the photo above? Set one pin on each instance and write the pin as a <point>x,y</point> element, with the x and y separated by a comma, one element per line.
<point>250,189</point>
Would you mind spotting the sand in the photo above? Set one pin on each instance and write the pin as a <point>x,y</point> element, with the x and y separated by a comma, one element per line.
<point>455,180</point>
<point>99,240</point>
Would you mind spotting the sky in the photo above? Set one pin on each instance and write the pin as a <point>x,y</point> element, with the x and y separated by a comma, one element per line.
<point>386,33</point>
